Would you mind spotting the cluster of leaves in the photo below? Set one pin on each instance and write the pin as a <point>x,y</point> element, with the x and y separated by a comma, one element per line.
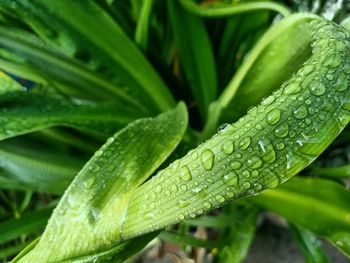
<point>108,74</point>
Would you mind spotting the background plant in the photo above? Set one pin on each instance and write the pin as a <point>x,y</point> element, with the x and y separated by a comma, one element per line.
<point>102,68</point>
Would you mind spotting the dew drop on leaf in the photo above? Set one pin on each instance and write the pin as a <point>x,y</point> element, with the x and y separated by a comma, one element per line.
<point>220,198</point>
<point>182,203</point>
<point>185,173</point>
<point>292,88</point>
<point>254,162</point>
<point>228,147</point>
<point>341,83</point>
<point>273,116</point>
<point>236,165</point>
<point>207,158</point>
<point>207,205</point>
<point>300,112</point>
<point>244,143</point>
<point>280,146</point>
<point>174,188</point>
<point>317,88</point>
<point>246,174</point>
<point>230,179</point>
<point>89,182</point>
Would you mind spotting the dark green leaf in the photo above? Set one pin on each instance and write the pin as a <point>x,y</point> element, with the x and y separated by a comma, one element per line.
<point>196,55</point>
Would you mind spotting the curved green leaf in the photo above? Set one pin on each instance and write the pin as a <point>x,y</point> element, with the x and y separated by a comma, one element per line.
<point>273,142</point>
<point>88,218</point>
<point>81,28</point>
<point>25,112</point>
<point>318,205</point>
<point>309,245</point>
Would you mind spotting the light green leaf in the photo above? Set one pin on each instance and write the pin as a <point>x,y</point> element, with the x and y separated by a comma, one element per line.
<point>7,84</point>
<point>108,51</point>
<point>274,141</point>
<point>318,205</point>
<point>88,218</point>
<point>335,172</point>
<point>196,55</point>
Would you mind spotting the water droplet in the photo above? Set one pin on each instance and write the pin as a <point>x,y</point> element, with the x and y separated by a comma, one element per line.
<point>236,165</point>
<point>246,174</point>
<point>196,189</point>
<point>111,168</point>
<point>333,60</point>
<point>158,188</point>
<point>153,205</point>
<point>230,179</point>
<point>300,113</point>
<point>185,173</point>
<point>222,127</point>
<point>269,155</point>
<point>273,116</point>
<point>307,69</point>
<point>269,100</point>
<point>89,182</point>
<point>308,101</point>
<point>183,187</point>
<point>254,162</point>
<point>194,154</point>
<point>280,146</point>
<point>292,88</point>
<point>207,205</point>
<point>174,188</point>
<point>246,185</point>
<point>181,216</point>
<point>342,83</point>
<point>244,143</point>
<point>207,158</point>
<point>228,147</point>
<point>220,198</point>
<point>317,88</point>
<point>99,153</point>
<point>282,130</point>
<point>183,203</point>
<point>255,173</point>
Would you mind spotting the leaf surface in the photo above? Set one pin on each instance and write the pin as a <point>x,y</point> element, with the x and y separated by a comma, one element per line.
<point>318,205</point>
<point>88,218</point>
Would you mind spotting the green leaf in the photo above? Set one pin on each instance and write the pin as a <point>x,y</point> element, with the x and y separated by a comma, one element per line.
<point>217,9</point>
<point>37,60</point>
<point>93,208</point>
<point>335,172</point>
<point>270,144</point>
<point>241,235</point>
<point>318,205</point>
<point>309,245</point>
<point>261,73</point>
<point>196,55</point>
<point>186,240</point>
<point>29,222</point>
<point>7,84</point>
<point>141,32</point>
<point>27,164</point>
<point>25,112</point>
<point>109,51</point>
